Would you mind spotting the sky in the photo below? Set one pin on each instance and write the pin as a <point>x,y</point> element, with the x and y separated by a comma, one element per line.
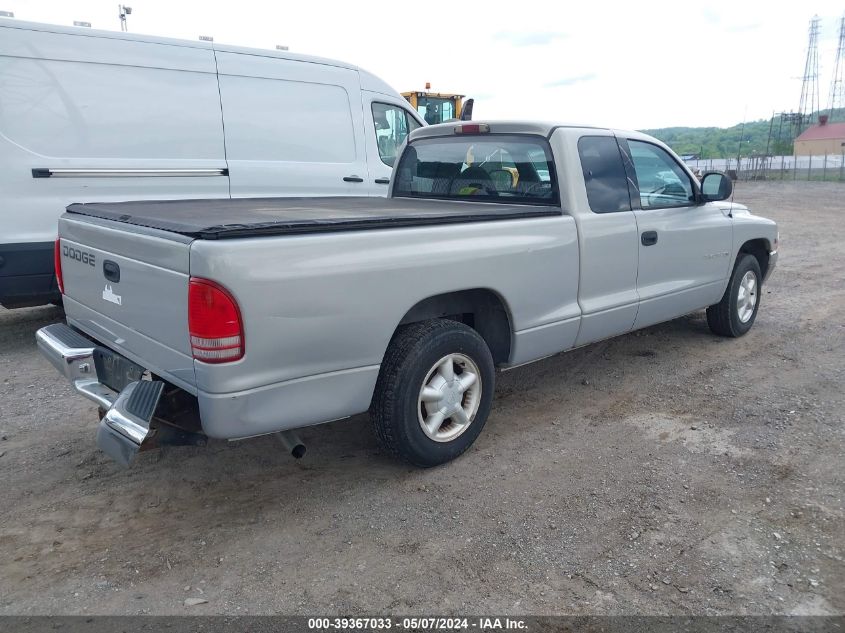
<point>635,64</point>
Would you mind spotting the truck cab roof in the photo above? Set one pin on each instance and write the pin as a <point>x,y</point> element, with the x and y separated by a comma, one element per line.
<point>540,128</point>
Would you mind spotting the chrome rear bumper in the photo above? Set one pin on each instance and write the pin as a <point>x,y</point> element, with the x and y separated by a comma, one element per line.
<point>126,424</point>
<point>73,355</point>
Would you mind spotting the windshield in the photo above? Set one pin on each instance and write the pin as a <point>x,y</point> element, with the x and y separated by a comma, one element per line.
<point>490,168</point>
<point>436,110</point>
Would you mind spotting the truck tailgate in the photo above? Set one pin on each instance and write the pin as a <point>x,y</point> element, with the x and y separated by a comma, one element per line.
<point>134,302</point>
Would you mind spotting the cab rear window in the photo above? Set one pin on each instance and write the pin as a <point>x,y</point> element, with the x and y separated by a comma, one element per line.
<point>481,168</point>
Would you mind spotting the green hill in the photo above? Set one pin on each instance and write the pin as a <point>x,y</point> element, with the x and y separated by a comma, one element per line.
<point>714,142</point>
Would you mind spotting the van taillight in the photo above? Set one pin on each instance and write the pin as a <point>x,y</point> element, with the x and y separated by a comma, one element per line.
<point>214,323</point>
<point>57,264</point>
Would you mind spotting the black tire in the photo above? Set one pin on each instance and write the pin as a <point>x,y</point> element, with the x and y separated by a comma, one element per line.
<point>411,356</point>
<point>723,317</point>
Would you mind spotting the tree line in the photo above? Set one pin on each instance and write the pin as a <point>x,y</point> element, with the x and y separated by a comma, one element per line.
<point>715,142</point>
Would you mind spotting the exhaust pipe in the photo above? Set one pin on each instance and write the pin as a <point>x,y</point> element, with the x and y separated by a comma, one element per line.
<point>293,445</point>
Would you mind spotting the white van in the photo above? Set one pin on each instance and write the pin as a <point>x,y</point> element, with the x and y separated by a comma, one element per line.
<point>88,116</point>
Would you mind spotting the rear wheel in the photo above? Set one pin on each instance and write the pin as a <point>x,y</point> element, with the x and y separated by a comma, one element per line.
<point>434,392</point>
<point>735,314</point>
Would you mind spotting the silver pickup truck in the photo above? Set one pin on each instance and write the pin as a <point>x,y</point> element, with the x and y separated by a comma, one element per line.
<point>501,243</point>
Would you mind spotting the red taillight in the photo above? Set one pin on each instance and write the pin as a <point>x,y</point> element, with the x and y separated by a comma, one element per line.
<point>214,323</point>
<point>57,264</point>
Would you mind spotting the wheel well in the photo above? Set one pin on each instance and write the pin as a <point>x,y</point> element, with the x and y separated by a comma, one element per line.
<point>481,309</point>
<point>760,249</point>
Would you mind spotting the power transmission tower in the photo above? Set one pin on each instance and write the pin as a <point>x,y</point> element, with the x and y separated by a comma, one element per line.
<point>837,84</point>
<point>810,102</point>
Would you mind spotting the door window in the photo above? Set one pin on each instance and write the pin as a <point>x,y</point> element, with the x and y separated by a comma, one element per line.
<point>604,174</point>
<point>393,124</point>
<point>662,181</point>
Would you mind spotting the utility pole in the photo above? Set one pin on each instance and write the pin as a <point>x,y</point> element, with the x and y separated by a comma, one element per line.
<point>122,12</point>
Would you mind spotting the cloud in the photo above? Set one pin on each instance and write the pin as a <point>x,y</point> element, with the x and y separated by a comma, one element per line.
<point>569,81</point>
<point>742,28</point>
<point>711,16</point>
<point>530,38</point>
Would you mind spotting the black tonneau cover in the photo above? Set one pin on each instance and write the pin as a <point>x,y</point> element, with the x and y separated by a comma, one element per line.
<point>245,217</point>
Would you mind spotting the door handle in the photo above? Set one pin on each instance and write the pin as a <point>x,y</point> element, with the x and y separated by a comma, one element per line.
<point>382,181</point>
<point>353,179</point>
<point>649,238</point>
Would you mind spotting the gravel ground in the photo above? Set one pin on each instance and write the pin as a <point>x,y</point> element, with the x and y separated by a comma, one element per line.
<point>666,471</point>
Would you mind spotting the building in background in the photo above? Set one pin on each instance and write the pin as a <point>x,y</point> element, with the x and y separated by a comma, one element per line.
<point>823,138</point>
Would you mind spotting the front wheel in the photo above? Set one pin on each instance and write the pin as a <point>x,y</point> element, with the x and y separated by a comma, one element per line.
<point>734,315</point>
<point>434,392</point>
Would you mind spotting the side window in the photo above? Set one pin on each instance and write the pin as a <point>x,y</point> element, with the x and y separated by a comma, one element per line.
<point>604,174</point>
<point>393,124</point>
<point>662,182</point>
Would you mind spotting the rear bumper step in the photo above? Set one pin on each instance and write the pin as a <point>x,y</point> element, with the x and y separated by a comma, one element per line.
<point>126,425</point>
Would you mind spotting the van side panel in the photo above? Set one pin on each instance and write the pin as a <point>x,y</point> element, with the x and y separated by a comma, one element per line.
<point>292,128</point>
<point>85,102</point>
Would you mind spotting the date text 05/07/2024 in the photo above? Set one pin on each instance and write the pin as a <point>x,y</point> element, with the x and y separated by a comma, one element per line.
<point>416,624</point>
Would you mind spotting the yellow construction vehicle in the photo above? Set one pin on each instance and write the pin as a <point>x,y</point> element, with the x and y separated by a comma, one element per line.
<point>437,107</point>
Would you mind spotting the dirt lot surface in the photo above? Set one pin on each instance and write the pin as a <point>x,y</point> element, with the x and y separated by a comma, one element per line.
<point>666,471</point>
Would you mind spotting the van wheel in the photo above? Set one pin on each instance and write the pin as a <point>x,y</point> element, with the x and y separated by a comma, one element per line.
<point>434,392</point>
<point>734,315</point>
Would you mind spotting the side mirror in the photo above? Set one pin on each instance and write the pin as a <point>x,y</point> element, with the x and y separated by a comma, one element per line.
<point>716,186</point>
